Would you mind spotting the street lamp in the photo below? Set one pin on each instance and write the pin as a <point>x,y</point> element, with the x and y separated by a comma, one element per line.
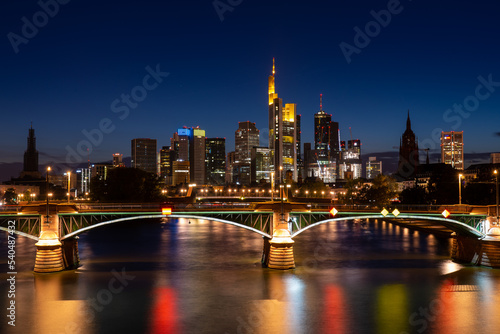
<point>47,193</point>
<point>460,189</point>
<point>496,185</point>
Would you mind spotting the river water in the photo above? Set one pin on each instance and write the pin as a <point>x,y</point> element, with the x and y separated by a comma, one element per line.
<point>198,276</point>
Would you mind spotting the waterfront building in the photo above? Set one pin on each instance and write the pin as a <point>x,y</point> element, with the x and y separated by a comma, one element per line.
<point>452,149</point>
<point>143,154</point>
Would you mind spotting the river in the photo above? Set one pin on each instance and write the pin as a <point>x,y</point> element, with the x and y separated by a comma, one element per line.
<point>198,276</point>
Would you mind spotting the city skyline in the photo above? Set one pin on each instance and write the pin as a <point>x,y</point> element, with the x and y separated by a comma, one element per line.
<point>70,78</point>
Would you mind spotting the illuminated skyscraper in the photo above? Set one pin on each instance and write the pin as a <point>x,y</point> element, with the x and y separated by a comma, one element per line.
<point>189,146</point>
<point>452,148</point>
<point>144,154</point>
<point>282,132</point>
<point>245,137</point>
<point>373,168</point>
<point>215,160</point>
<point>167,157</point>
<point>326,146</point>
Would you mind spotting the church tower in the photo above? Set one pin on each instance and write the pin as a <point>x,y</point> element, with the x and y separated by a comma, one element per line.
<point>408,152</point>
<point>30,168</point>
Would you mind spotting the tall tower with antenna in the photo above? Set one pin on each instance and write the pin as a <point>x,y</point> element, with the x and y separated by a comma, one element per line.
<point>282,132</point>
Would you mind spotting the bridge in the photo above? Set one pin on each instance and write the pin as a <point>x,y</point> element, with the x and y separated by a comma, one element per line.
<point>277,222</point>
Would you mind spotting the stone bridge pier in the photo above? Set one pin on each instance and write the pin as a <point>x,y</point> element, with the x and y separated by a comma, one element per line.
<point>52,255</point>
<point>278,251</point>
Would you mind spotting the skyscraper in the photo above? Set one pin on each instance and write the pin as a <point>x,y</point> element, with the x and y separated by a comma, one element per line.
<point>452,148</point>
<point>326,146</point>
<point>245,137</point>
<point>30,167</point>
<point>144,154</point>
<point>167,158</point>
<point>408,152</point>
<point>350,164</point>
<point>189,146</point>
<point>373,168</point>
<point>215,161</point>
<point>282,132</point>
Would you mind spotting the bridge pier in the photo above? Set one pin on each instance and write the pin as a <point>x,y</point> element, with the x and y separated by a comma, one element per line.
<point>70,253</point>
<point>278,251</point>
<point>479,252</point>
<point>49,257</point>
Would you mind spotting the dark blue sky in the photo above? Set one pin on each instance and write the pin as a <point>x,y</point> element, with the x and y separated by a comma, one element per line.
<point>66,77</point>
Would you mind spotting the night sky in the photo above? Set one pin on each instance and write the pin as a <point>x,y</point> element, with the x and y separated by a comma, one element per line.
<point>212,65</point>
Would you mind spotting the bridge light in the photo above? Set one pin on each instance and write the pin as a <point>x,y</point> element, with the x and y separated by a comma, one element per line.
<point>396,212</point>
<point>445,213</point>
<point>384,212</point>
<point>333,211</point>
<point>166,211</point>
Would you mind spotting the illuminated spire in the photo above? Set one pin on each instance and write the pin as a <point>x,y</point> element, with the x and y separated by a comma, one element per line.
<point>320,102</point>
<point>272,91</point>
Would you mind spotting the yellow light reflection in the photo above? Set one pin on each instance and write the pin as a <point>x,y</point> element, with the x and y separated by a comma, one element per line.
<point>392,309</point>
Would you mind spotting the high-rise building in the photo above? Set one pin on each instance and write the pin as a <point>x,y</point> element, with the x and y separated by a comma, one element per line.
<point>167,158</point>
<point>83,176</point>
<point>215,161</point>
<point>230,159</point>
<point>373,168</point>
<point>350,164</point>
<point>282,132</point>
<point>300,161</point>
<point>118,160</point>
<point>408,152</point>
<point>452,148</point>
<point>144,154</point>
<point>30,167</point>
<point>245,137</point>
<point>261,165</point>
<point>180,172</point>
<point>326,146</point>
<point>188,145</point>
<point>197,151</point>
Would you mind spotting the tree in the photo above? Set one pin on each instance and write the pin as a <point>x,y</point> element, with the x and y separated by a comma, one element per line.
<point>126,185</point>
<point>10,196</point>
<point>380,193</point>
<point>414,195</point>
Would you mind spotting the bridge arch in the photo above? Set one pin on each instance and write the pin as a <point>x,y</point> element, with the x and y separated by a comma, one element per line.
<point>19,233</point>
<point>454,225</point>
<point>88,228</point>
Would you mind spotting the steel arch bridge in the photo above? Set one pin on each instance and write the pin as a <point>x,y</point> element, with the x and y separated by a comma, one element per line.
<point>72,224</point>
